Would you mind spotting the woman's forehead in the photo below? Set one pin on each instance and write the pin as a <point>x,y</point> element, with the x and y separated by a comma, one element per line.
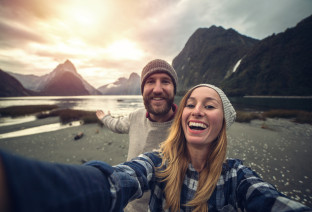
<point>205,92</point>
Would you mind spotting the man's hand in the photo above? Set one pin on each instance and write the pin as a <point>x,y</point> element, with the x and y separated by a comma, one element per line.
<point>100,114</point>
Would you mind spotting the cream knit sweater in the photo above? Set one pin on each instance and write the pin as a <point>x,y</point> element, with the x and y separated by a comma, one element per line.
<point>144,135</point>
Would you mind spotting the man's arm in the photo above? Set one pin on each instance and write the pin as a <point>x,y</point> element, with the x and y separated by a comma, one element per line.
<point>117,125</point>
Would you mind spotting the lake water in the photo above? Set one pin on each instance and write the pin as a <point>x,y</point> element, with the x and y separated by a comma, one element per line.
<point>123,105</point>
<point>118,105</point>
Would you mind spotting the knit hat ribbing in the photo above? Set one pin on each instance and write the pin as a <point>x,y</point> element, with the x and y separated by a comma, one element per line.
<point>228,109</point>
<point>158,66</point>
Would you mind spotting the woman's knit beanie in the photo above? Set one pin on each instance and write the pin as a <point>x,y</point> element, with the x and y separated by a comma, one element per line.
<point>228,109</point>
<point>158,66</point>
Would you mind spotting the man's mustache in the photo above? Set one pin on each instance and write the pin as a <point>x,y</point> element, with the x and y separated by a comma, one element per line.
<point>158,96</point>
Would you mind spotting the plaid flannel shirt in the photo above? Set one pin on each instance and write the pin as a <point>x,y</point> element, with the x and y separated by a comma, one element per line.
<point>238,188</point>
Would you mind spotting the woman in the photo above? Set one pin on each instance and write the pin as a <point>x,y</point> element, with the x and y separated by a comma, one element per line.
<point>188,173</point>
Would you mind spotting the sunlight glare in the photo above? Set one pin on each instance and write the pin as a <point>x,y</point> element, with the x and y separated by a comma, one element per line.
<point>124,49</point>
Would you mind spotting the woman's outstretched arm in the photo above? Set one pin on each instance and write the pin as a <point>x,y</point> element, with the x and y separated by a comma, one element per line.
<point>30,185</point>
<point>4,197</point>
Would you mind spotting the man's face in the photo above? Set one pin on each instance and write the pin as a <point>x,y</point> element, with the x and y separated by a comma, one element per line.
<point>158,94</point>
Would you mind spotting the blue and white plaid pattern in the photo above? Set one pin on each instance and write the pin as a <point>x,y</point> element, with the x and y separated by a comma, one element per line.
<point>238,188</point>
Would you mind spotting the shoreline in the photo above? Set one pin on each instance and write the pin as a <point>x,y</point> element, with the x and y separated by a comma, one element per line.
<point>277,149</point>
<point>279,97</point>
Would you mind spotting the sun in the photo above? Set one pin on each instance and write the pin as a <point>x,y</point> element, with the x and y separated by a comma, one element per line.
<point>124,49</point>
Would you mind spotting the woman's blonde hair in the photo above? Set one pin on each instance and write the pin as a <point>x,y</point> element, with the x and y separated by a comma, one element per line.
<point>176,159</point>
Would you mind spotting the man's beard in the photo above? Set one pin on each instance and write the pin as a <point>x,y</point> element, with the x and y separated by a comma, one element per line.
<point>158,111</point>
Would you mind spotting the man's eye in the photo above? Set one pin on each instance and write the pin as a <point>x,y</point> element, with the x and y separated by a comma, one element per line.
<point>166,82</point>
<point>150,82</point>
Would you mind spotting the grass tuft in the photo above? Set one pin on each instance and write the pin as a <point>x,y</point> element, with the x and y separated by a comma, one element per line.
<point>304,117</point>
<point>242,116</point>
<point>69,115</point>
<point>15,111</point>
<point>296,115</point>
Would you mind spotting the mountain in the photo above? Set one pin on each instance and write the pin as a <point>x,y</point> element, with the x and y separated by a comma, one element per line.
<point>210,55</point>
<point>70,81</point>
<point>10,86</point>
<point>278,65</point>
<point>123,86</point>
<point>64,84</point>
<point>65,81</point>
<point>67,66</point>
<point>29,81</point>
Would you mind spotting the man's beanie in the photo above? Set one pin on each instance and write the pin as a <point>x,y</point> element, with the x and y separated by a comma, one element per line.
<point>158,66</point>
<point>228,109</point>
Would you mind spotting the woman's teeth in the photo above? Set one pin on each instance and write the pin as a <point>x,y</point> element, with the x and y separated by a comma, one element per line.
<point>197,126</point>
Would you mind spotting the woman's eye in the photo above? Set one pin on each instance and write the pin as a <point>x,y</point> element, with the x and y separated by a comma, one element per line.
<point>189,105</point>
<point>209,107</point>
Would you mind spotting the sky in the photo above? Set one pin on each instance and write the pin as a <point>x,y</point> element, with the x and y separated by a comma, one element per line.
<point>108,39</point>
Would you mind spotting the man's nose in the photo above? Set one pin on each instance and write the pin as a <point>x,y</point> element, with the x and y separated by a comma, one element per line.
<point>158,87</point>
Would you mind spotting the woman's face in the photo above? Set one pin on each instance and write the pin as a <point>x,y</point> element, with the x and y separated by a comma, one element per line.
<point>202,117</point>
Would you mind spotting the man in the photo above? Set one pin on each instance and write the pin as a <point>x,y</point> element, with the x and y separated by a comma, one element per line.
<point>148,127</point>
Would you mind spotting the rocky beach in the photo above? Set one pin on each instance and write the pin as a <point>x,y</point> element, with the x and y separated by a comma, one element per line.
<point>279,150</point>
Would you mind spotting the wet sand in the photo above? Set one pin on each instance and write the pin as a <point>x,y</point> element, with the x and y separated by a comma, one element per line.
<point>277,149</point>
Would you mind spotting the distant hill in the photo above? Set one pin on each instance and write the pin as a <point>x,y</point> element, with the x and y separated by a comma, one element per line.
<point>29,81</point>
<point>278,65</point>
<point>123,86</point>
<point>10,86</point>
<point>210,55</point>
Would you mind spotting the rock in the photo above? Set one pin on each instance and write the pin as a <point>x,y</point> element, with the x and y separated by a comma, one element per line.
<point>78,136</point>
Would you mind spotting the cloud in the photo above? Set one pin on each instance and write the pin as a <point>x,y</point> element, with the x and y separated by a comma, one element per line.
<point>11,36</point>
<point>29,10</point>
<point>115,38</point>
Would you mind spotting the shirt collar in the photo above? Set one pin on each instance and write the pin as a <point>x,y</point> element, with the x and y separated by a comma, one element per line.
<point>174,109</point>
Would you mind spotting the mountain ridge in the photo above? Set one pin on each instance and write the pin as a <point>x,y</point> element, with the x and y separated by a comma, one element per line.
<point>279,64</point>
<point>10,86</point>
<point>123,86</point>
<point>209,55</point>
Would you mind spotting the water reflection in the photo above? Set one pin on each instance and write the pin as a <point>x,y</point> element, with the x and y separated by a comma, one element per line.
<point>6,121</point>
<point>117,105</point>
<point>39,129</point>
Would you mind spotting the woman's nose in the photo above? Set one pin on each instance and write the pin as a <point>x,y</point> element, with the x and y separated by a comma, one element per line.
<point>197,111</point>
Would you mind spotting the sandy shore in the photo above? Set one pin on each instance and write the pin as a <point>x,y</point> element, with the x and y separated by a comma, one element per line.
<point>277,149</point>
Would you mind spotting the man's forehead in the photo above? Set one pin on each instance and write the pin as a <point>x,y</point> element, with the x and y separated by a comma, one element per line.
<point>159,75</point>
